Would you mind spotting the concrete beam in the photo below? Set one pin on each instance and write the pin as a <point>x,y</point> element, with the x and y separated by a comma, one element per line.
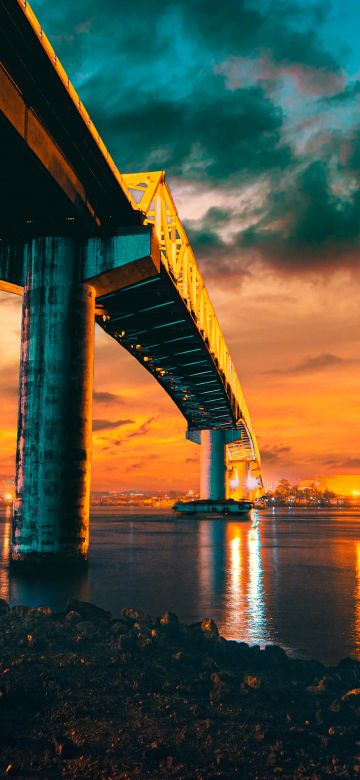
<point>107,264</point>
<point>36,137</point>
<point>118,261</point>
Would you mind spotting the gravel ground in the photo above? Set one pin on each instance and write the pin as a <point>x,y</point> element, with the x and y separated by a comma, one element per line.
<point>86,696</point>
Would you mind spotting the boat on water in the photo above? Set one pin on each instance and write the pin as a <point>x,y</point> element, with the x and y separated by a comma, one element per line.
<point>211,507</point>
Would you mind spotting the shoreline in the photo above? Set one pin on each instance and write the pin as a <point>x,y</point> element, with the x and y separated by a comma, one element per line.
<point>83,695</point>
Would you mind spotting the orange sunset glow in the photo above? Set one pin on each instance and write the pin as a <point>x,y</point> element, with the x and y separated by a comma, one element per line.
<point>294,343</point>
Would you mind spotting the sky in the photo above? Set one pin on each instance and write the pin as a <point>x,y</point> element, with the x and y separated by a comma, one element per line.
<point>252,108</point>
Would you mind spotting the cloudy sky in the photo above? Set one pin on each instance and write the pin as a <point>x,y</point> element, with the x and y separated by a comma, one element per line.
<point>253,110</point>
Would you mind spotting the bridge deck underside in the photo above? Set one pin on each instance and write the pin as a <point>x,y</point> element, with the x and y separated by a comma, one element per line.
<point>31,201</point>
<point>51,166</point>
<point>151,321</point>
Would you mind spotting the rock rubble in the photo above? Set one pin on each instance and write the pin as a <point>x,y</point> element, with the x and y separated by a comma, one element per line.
<point>83,695</point>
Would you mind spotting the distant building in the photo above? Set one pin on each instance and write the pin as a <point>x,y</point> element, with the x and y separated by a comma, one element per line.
<point>341,484</point>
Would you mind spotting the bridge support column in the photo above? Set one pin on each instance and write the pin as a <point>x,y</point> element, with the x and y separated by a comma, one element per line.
<point>212,465</point>
<point>51,511</point>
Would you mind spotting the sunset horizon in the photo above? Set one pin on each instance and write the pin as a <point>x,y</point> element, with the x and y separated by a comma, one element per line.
<point>138,442</point>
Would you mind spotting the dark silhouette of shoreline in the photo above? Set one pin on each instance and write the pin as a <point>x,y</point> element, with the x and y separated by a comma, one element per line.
<point>85,696</point>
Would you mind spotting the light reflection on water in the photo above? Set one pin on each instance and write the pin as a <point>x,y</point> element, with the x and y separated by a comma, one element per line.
<point>256,600</point>
<point>357,599</point>
<point>289,578</point>
<point>4,552</point>
<point>244,597</point>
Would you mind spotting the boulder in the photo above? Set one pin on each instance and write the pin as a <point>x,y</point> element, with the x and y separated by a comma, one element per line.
<point>209,628</point>
<point>135,616</point>
<point>88,611</point>
<point>169,619</point>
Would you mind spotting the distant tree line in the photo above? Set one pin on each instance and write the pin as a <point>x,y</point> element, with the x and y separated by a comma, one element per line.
<point>286,494</point>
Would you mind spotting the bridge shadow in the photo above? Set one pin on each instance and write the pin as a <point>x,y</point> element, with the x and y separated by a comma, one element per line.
<point>53,589</point>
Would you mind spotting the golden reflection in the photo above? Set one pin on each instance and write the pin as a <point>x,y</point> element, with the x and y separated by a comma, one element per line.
<point>234,586</point>
<point>5,552</point>
<point>256,606</point>
<point>206,563</point>
<point>235,560</point>
<point>245,616</point>
<point>6,537</point>
<point>357,597</point>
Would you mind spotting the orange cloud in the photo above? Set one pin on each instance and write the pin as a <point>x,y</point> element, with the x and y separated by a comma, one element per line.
<point>295,344</point>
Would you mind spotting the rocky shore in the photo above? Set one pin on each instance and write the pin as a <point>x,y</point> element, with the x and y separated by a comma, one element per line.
<point>83,695</point>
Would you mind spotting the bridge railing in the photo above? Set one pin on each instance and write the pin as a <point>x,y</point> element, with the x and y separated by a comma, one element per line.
<point>63,76</point>
<point>153,198</point>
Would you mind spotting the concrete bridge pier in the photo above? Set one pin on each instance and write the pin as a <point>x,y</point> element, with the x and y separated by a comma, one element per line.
<point>51,510</point>
<point>212,465</point>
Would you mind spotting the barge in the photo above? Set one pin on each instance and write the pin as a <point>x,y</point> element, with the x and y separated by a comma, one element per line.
<point>211,507</point>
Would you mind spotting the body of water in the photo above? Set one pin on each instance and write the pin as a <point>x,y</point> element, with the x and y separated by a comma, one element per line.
<point>285,577</point>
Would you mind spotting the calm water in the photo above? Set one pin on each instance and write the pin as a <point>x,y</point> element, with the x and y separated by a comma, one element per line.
<point>290,577</point>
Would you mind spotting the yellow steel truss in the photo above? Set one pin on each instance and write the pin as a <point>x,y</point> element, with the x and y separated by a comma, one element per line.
<point>153,198</point>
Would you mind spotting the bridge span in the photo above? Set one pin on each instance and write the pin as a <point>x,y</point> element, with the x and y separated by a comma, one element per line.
<point>83,242</point>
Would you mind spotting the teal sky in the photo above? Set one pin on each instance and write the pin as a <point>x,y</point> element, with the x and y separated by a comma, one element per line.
<point>230,95</point>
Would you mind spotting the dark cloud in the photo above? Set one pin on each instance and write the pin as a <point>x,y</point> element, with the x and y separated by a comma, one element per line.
<point>144,428</point>
<point>112,443</point>
<point>101,425</point>
<point>287,29</point>
<point>351,91</point>
<point>351,463</point>
<point>351,152</point>
<point>103,397</point>
<point>310,364</point>
<point>304,225</point>
<point>163,101</point>
<point>274,454</point>
<point>218,259</point>
<point>341,463</point>
<point>204,236</point>
<point>204,240</point>
<point>198,128</point>
<point>217,135</point>
<point>218,216</point>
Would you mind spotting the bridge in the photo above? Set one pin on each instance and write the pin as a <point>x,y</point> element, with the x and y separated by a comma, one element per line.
<point>83,242</point>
